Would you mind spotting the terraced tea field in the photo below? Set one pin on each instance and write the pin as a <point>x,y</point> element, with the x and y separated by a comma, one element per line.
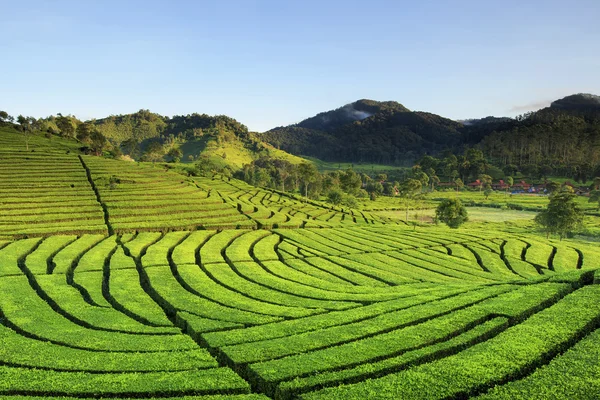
<point>53,190</point>
<point>120,280</point>
<point>314,313</point>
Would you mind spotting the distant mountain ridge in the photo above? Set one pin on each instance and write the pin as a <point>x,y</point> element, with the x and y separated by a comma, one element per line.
<point>388,132</point>
<point>578,102</point>
<point>357,131</point>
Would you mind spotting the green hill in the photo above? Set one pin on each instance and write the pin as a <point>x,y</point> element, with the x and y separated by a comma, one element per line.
<point>55,188</point>
<point>219,139</point>
<point>367,131</point>
<point>563,138</point>
<point>125,280</point>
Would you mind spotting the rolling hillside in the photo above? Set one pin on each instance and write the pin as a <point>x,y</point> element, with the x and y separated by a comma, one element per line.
<point>127,280</point>
<point>53,189</point>
<point>220,140</point>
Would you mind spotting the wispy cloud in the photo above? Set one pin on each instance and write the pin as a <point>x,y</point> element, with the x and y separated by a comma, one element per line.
<point>534,106</point>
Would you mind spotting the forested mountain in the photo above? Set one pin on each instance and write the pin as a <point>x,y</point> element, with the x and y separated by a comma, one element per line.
<point>564,137</point>
<point>367,130</point>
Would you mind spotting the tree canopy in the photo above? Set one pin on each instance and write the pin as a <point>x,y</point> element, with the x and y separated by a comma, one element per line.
<point>452,213</point>
<point>562,215</point>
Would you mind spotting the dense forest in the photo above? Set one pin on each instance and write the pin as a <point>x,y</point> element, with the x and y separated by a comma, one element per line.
<point>563,139</point>
<point>367,131</point>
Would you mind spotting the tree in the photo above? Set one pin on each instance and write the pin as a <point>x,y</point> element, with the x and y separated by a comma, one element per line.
<point>350,181</point>
<point>84,132</point>
<point>562,215</point>
<point>510,169</point>
<point>552,187</point>
<point>409,189</point>
<point>389,189</point>
<point>175,154</point>
<point>26,126</point>
<point>154,152</point>
<point>132,147</point>
<point>283,171</point>
<point>487,191</point>
<point>4,117</point>
<point>335,197</point>
<point>350,201</point>
<point>485,182</point>
<point>459,184</point>
<point>435,180</point>
<point>374,187</point>
<point>98,143</point>
<point>509,181</point>
<point>453,175</point>
<point>595,193</point>
<point>66,125</point>
<point>308,173</point>
<point>418,174</point>
<point>427,163</point>
<point>452,213</point>
<point>474,162</point>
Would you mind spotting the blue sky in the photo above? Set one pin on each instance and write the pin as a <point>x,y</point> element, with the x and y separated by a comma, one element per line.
<point>271,63</point>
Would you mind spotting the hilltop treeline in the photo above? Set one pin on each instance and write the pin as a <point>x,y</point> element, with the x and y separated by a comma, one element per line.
<point>551,141</point>
<point>563,139</point>
<point>144,125</point>
<point>367,131</point>
<point>144,135</point>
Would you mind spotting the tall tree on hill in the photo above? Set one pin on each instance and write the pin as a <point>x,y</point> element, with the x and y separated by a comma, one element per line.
<point>66,125</point>
<point>132,147</point>
<point>433,178</point>
<point>283,171</point>
<point>409,190</point>
<point>98,143</point>
<point>4,117</point>
<point>562,215</point>
<point>26,126</point>
<point>308,174</point>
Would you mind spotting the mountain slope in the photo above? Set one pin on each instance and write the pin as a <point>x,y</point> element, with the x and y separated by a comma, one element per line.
<point>564,135</point>
<point>367,130</point>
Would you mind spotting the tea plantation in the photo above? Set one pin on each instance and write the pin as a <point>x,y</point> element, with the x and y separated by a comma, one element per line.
<point>120,280</point>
